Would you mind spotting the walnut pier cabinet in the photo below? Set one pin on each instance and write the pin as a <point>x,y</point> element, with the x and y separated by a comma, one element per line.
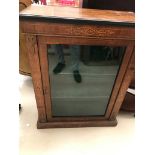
<point>99,43</point>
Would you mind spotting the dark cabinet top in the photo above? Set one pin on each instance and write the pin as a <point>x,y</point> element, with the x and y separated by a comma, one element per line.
<point>80,15</point>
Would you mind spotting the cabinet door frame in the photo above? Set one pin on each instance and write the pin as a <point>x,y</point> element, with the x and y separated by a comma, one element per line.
<point>43,41</point>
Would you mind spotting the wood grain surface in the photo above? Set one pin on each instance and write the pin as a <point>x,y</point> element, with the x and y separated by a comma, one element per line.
<point>78,14</point>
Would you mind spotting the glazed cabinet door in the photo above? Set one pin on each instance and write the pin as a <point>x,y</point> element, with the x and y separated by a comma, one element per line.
<point>81,79</point>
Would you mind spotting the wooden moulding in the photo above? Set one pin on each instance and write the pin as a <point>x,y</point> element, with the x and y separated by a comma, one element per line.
<point>82,30</point>
<point>77,124</point>
<point>73,40</point>
<point>32,49</point>
<point>45,78</point>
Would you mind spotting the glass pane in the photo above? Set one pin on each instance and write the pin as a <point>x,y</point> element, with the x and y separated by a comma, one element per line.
<point>82,78</point>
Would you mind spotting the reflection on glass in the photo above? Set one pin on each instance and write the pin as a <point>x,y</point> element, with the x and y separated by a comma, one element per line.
<point>82,78</point>
<point>74,57</point>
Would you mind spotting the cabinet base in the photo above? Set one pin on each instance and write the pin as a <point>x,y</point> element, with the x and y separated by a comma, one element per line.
<point>76,124</point>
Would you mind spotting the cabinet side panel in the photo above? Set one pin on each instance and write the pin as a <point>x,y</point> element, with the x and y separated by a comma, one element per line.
<point>45,77</point>
<point>32,49</point>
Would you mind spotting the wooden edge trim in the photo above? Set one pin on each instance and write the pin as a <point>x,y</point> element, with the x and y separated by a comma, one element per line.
<point>122,90</point>
<point>33,56</point>
<point>119,79</point>
<point>24,73</point>
<point>45,78</point>
<point>77,124</point>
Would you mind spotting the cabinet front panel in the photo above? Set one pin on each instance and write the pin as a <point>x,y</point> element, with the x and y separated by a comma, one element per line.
<point>82,78</point>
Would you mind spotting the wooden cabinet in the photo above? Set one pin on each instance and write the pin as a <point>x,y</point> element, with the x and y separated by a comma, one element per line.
<point>97,98</point>
<point>24,67</point>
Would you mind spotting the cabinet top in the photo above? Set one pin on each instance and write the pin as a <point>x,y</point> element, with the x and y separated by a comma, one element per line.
<point>51,13</point>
